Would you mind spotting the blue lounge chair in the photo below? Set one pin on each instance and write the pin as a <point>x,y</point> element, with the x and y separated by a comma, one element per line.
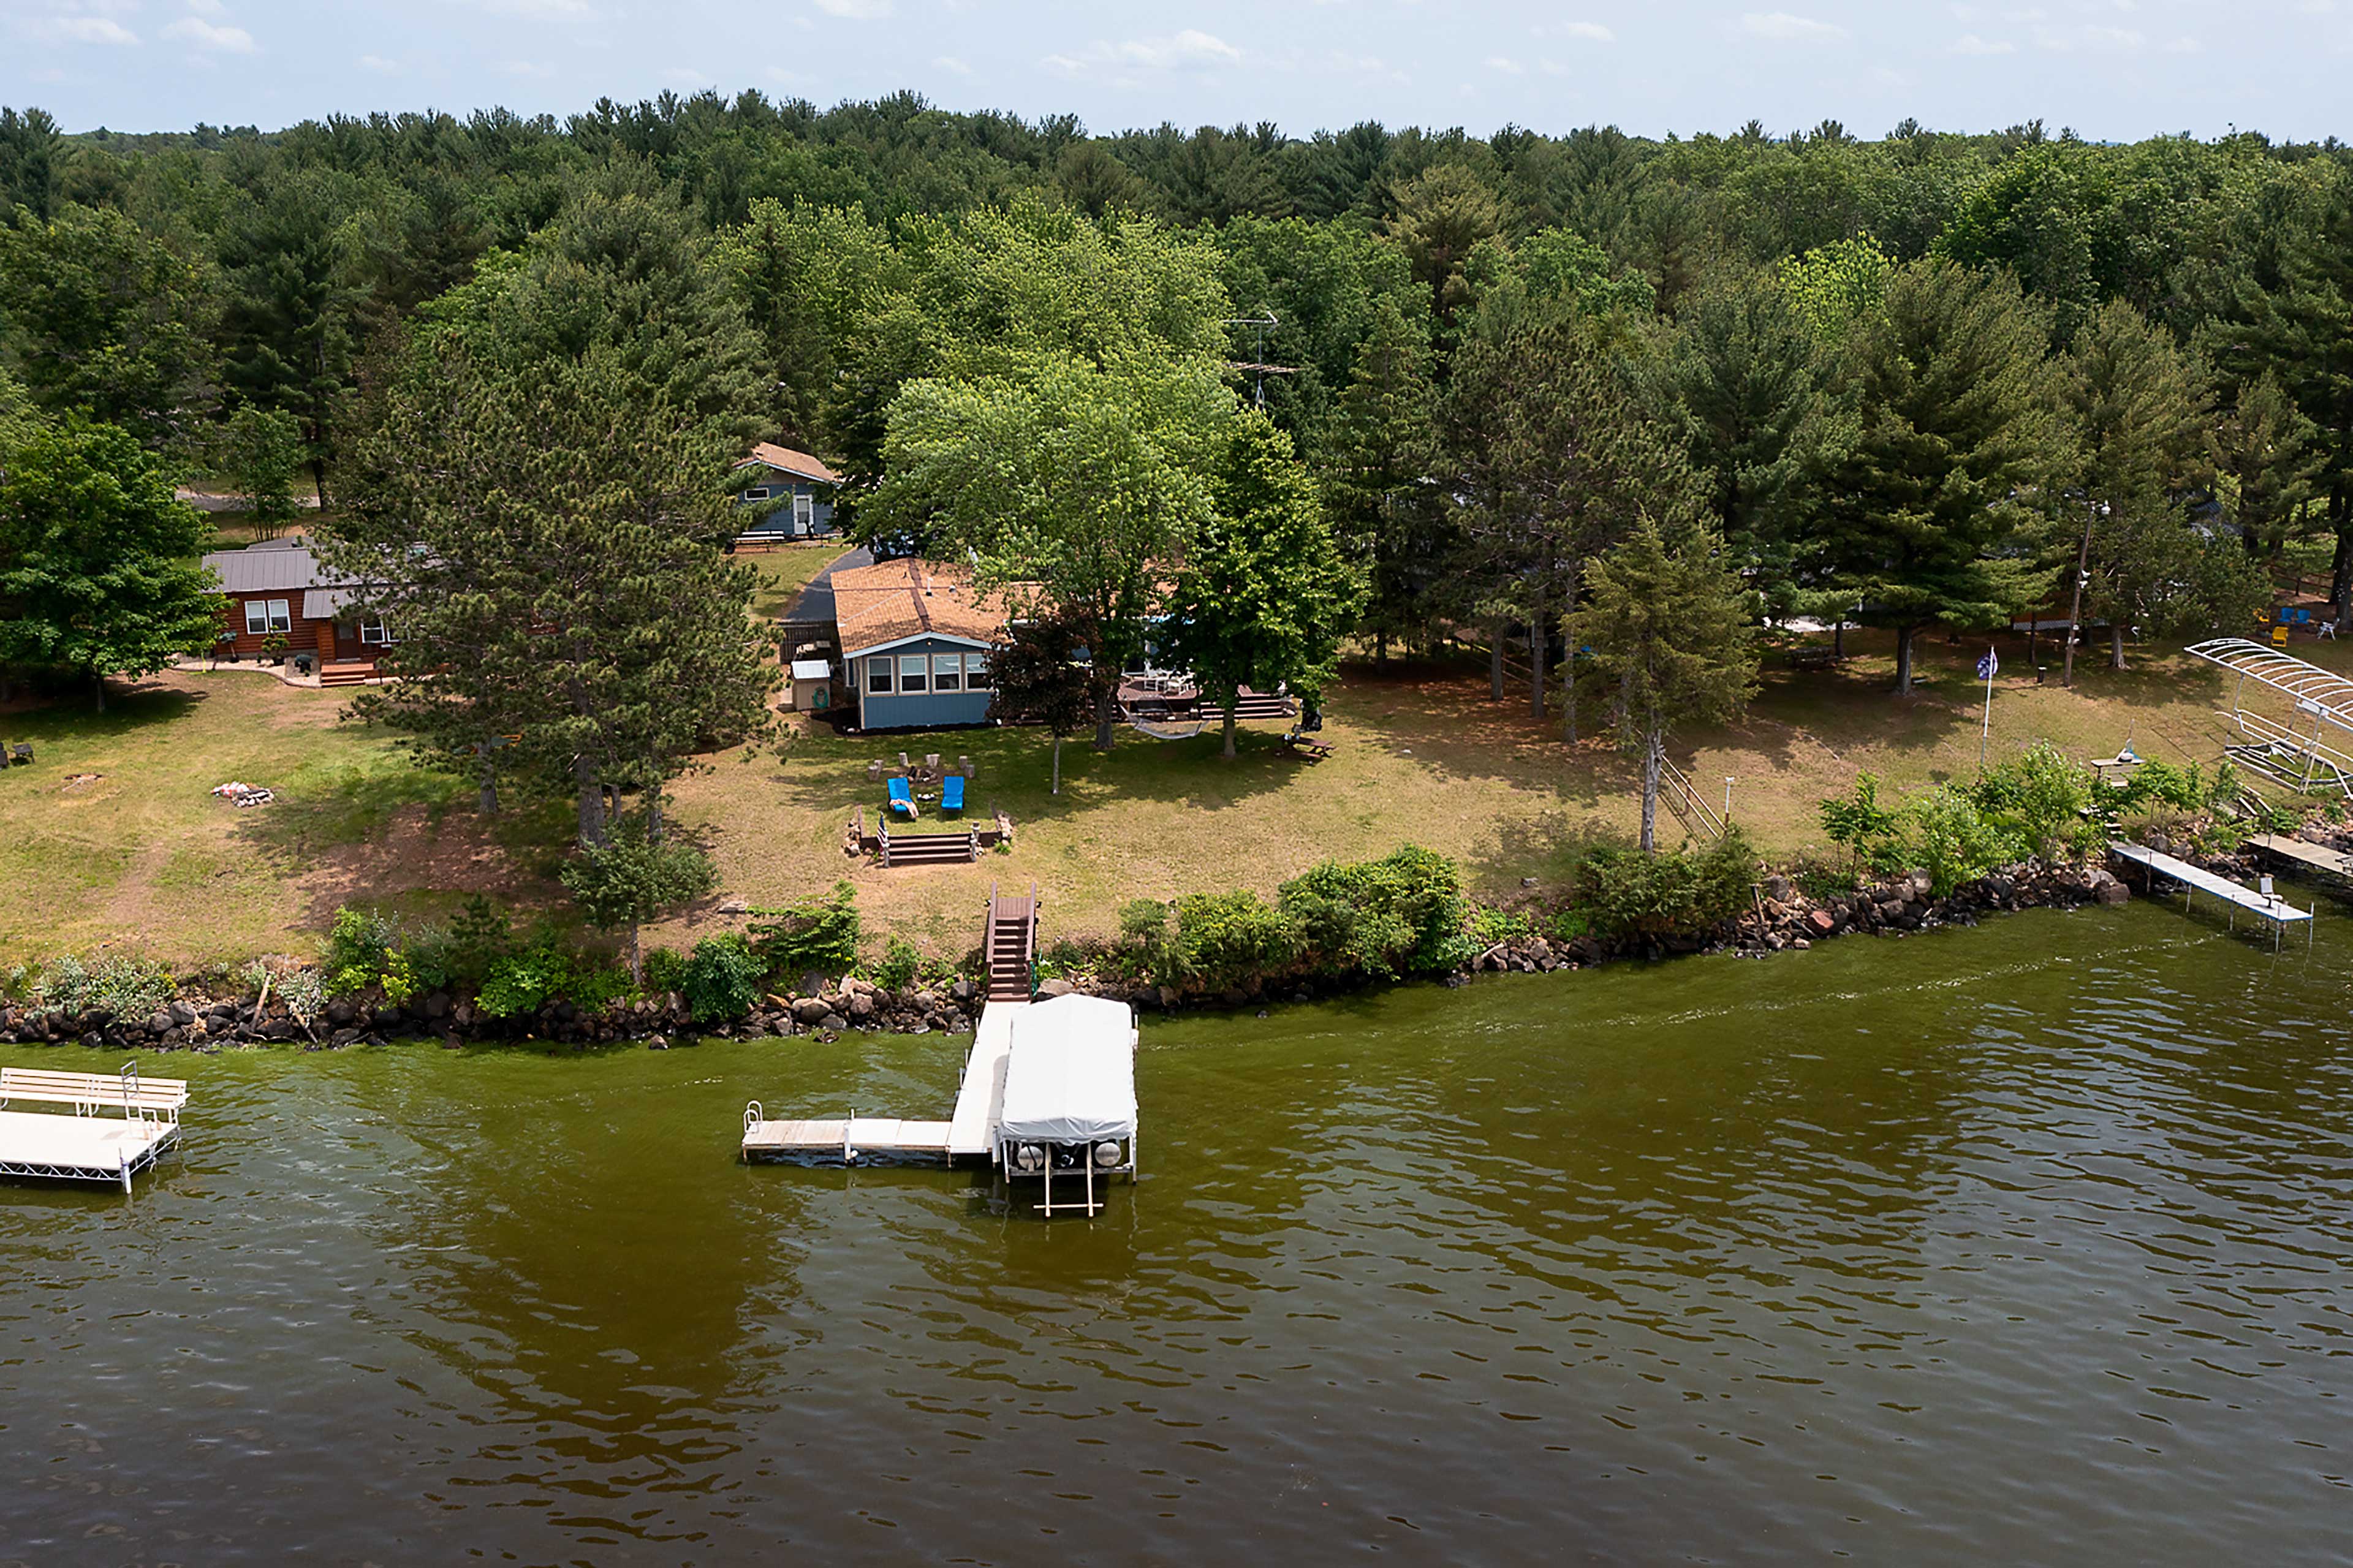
<point>952,792</point>
<point>902,797</point>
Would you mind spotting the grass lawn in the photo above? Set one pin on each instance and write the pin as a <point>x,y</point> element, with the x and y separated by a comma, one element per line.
<point>144,857</point>
<point>785,570</point>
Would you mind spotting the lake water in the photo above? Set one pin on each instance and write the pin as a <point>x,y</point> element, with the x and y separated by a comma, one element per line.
<point>2026,1244</point>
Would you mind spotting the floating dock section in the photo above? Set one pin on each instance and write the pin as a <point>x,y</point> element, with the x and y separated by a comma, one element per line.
<point>2238,899</point>
<point>2303,857</point>
<point>105,1127</point>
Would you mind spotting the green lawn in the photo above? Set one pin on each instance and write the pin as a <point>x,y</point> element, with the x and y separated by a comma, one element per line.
<point>786,570</point>
<point>143,856</point>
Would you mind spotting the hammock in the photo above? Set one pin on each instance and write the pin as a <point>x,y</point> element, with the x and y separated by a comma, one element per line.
<point>1167,729</point>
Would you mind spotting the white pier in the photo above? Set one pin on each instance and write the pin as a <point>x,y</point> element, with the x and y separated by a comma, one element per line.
<point>109,1126</point>
<point>1048,1090</point>
<point>2237,899</point>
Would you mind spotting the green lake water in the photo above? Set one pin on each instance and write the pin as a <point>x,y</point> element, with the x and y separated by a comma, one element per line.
<point>2025,1244</point>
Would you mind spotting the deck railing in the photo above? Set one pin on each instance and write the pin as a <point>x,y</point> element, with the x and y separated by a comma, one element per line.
<point>1700,819</point>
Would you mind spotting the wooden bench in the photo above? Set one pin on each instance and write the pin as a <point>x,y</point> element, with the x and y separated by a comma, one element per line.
<point>91,1092</point>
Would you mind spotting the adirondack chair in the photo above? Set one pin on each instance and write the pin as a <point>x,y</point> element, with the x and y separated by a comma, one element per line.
<point>903,798</point>
<point>20,754</point>
<point>952,792</point>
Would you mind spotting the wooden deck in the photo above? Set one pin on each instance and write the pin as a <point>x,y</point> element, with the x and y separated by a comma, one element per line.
<point>2305,856</point>
<point>972,1134</point>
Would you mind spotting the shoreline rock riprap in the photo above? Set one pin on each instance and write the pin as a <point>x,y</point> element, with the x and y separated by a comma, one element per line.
<point>1782,917</point>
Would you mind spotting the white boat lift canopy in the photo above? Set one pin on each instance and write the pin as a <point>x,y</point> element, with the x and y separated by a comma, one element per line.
<point>1070,1077</point>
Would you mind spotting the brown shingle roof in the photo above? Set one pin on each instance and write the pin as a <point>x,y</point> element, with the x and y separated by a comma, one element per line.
<point>897,599</point>
<point>791,462</point>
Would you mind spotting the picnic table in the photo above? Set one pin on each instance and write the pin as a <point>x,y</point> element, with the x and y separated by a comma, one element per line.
<point>1299,745</point>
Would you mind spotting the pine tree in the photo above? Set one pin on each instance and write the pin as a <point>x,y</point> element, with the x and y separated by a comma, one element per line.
<point>1378,487</point>
<point>1551,464</point>
<point>1956,432</point>
<point>1670,628</point>
<point>2267,463</point>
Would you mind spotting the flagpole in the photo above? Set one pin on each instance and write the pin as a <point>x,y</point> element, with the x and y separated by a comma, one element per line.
<point>1986,729</point>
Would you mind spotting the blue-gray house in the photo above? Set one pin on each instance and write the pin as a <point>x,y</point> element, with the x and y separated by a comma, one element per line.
<point>789,494</point>
<point>914,638</point>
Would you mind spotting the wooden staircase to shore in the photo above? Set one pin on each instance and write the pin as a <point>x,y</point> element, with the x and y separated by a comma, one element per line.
<point>1009,946</point>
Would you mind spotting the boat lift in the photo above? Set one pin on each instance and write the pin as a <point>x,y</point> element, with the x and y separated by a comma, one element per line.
<point>2284,753</point>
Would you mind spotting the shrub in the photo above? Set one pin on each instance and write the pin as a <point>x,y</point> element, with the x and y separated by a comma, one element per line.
<point>1403,912</point>
<point>1489,927</point>
<point>527,981</point>
<point>363,953</point>
<point>1626,894</point>
<point>1858,822</point>
<point>1948,837</point>
<point>2042,800</point>
<point>665,970</point>
<point>815,933</point>
<point>723,977</point>
<point>1144,942</point>
<point>1226,940</point>
<point>125,986</point>
<point>900,963</point>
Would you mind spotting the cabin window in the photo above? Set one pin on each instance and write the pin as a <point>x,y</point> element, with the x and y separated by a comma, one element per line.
<point>804,511</point>
<point>912,674</point>
<point>976,672</point>
<point>947,672</point>
<point>371,630</point>
<point>757,493</point>
<point>878,675</point>
<point>263,616</point>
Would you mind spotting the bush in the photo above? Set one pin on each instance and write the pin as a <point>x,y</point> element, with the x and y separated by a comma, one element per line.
<point>364,953</point>
<point>2042,800</point>
<point>665,970</point>
<point>1858,822</point>
<point>1946,835</point>
<point>1144,942</point>
<point>1404,912</point>
<point>1680,893</point>
<point>1489,927</point>
<point>900,963</point>
<point>1227,939</point>
<point>815,934</point>
<point>125,986</point>
<point>525,982</point>
<point>723,977</point>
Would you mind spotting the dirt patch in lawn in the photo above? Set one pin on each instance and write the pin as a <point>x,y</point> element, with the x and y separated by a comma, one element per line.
<point>414,855</point>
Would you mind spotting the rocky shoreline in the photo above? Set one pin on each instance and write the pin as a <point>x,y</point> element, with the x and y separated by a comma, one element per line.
<point>1783,918</point>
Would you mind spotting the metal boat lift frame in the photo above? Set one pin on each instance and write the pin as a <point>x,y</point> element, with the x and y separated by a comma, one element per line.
<point>2272,748</point>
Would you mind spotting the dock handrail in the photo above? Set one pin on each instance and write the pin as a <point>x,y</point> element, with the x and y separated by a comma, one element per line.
<point>1696,816</point>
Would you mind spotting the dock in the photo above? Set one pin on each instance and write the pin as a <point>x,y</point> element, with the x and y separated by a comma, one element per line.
<point>2304,857</point>
<point>971,1134</point>
<point>109,1126</point>
<point>2238,899</point>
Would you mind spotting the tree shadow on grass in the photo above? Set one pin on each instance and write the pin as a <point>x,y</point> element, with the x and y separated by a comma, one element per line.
<point>68,716</point>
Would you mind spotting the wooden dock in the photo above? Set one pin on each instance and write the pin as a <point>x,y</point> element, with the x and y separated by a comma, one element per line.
<point>111,1127</point>
<point>2304,857</point>
<point>2238,899</point>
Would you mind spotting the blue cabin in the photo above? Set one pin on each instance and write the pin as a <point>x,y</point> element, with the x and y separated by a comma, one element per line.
<point>914,638</point>
<point>786,495</point>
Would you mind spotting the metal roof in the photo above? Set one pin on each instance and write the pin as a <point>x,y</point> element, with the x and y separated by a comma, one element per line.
<point>277,566</point>
<point>2315,692</point>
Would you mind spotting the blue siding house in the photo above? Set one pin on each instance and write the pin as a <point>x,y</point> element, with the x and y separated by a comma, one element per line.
<point>914,638</point>
<point>787,494</point>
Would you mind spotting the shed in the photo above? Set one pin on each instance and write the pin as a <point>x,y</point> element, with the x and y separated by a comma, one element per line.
<point>812,686</point>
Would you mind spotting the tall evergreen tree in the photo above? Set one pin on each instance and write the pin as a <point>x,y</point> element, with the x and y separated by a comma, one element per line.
<point>288,315</point>
<point>1671,631</point>
<point>1379,478</point>
<point>1956,437</point>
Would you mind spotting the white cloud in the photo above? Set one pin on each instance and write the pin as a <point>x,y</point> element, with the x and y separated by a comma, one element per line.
<point>856,10</point>
<point>1509,67</point>
<point>686,76</point>
<point>211,36</point>
<point>379,65</point>
<point>1784,24</point>
<point>540,10</point>
<point>81,30</point>
<point>535,70</point>
<point>1190,49</point>
<point>1970,44</point>
<point>208,7</point>
<point>950,63</point>
<point>2186,45</point>
<point>1592,32</point>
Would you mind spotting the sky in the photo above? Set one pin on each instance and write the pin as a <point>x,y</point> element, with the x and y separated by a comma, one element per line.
<point>2112,69</point>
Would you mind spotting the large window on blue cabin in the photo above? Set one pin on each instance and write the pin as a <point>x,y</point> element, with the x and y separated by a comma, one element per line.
<point>913,676</point>
<point>976,672</point>
<point>947,672</point>
<point>878,676</point>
